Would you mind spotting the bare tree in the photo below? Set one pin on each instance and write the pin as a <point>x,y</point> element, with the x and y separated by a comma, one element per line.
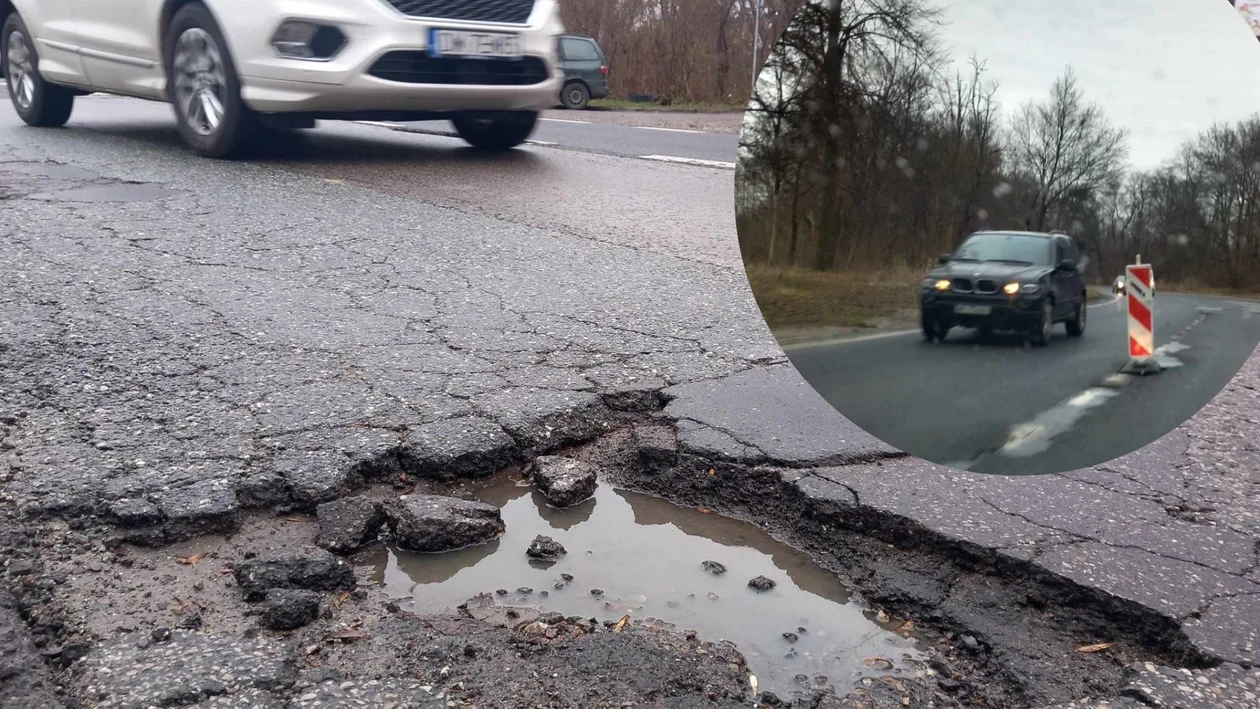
<point>1064,146</point>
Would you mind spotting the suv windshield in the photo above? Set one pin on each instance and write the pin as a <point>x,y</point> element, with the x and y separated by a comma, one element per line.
<point>996,246</point>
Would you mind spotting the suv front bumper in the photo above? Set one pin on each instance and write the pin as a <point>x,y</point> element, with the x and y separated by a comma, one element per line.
<point>344,83</point>
<point>1018,312</point>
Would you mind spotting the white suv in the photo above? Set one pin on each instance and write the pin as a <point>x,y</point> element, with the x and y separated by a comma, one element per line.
<point>236,70</point>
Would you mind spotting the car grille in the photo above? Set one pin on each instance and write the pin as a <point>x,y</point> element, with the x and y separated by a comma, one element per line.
<point>417,67</point>
<point>986,285</point>
<point>961,285</point>
<point>515,12</point>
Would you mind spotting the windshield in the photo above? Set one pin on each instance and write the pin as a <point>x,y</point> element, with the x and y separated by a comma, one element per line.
<point>1013,248</point>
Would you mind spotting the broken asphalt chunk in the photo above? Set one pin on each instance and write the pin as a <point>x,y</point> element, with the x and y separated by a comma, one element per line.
<point>761,583</point>
<point>428,523</point>
<point>713,567</point>
<point>545,548</point>
<point>463,447</point>
<point>315,570</point>
<point>289,608</point>
<point>564,481</point>
<point>348,524</point>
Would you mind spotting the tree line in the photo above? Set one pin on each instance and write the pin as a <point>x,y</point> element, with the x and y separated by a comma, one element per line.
<point>680,50</point>
<point>866,148</point>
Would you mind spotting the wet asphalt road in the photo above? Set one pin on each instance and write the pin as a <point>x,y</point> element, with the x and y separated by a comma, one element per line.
<point>994,405</point>
<point>573,133</point>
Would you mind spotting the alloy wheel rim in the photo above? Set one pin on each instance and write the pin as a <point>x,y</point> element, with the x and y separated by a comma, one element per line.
<point>200,81</point>
<point>21,71</point>
<point>575,96</point>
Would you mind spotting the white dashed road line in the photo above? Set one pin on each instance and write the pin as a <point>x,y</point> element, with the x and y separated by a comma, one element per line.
<point>563,120</point>
<point>690,161</point>
<point>671,130</point>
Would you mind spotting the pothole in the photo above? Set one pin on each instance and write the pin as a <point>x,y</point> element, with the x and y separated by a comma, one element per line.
<point>631,554</point>
<point>123,192</point>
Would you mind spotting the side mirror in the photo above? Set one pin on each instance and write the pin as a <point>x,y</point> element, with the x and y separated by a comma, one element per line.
<point>1067,264</point>
<point>943,258</point>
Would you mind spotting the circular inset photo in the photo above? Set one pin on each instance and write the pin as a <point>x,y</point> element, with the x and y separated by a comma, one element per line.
<point>1010,238</point>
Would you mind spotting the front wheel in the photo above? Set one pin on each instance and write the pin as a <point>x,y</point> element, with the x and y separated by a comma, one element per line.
<point>37,102</point>
<point>1045,328</point>
<point>496,131</point>
<point>933,330</point>
<point>204,88</point>
<point>1076,326</point>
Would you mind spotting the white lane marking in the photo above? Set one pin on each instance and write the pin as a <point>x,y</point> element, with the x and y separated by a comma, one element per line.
<point>898,333</point>
<point>564,120</point>
<point>382,124</point>
<point>690,161</point>
<point>1164,354</point>
<point>1034,437</point>
<point>671,130</point>
<point>847,340</point>
<point>540,142</point>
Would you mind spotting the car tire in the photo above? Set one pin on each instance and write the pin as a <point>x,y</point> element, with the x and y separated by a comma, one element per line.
<point>496,131</point>
<point>575,96</point>
<point>1041,336</point>
<point>1076,326</point>
<point>203,87</point>
<point>37,102</point>
<point>933,330</point>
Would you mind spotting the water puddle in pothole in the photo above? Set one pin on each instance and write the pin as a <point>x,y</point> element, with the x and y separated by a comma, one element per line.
<point>646,556</point>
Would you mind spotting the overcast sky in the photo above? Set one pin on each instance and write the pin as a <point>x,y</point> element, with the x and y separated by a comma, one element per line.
<point>1164,69</point>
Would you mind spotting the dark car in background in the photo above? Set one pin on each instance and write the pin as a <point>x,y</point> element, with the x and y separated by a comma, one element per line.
<point>585,71</point>
<point>1007,280</point>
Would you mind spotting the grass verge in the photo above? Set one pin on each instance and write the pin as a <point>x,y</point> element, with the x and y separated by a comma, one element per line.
<point>798,298</point>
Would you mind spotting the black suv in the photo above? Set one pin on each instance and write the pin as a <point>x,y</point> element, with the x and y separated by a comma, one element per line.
<point>1007,280</point>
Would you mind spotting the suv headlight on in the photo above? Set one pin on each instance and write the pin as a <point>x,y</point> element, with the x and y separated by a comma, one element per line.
<point>1017,288</point>
<point>936,283</point>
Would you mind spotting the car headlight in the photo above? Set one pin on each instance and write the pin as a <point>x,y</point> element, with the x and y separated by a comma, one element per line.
<point>1030,288</point>
<point>941,284</point>
<point>1010,288</point>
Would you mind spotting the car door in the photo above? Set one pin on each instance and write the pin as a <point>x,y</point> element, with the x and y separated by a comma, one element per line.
<point>121,49</point>
<point>1066,294</point>
<point>582,61</point>
<point>51,24</point>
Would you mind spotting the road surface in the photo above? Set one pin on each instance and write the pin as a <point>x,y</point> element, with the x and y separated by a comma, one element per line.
<point>187,345</point>
<point>646,142</point>
<point>994,405</point>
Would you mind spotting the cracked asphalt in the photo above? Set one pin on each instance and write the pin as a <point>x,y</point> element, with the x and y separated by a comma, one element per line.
<point>185,341</point>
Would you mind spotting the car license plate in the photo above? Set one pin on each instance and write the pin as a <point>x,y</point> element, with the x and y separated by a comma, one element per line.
<point>458,43</point>
<point>972,309</point>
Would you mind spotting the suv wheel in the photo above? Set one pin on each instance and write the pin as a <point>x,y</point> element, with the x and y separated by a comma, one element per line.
<point>203,86</point>
<point>37,102</point>
<point>1041,336</point>
<point>496,131</point>
<point>933,330</point>
<point>575,96</point>
<point>1076,326</point>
